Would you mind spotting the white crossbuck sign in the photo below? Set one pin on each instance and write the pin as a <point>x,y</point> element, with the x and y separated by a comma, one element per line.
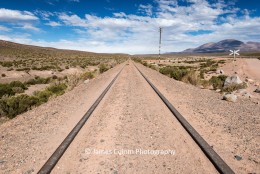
<point>234,52</point>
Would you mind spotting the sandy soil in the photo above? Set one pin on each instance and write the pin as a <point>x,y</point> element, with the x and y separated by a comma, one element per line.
<point>131,117</point>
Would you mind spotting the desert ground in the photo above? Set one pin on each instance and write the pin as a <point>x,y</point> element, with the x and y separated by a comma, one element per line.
<point>132,116</point>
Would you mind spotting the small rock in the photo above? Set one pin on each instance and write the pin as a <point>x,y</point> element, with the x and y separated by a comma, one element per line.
<point>230,97</point>
<point>102,140</point>
<point>218,90</point>
<point>86,81</point>
<point>257,90</point>
<point>2,161</point>
<point>247,95</point>
<point>232,80</point>
<point>238,158</point>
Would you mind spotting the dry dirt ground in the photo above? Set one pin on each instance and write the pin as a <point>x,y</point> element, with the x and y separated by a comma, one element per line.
<point>245,68</point>
<point>131,116</point>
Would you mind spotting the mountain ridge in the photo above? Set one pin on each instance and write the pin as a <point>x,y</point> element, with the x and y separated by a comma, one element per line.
<point>225,46</point>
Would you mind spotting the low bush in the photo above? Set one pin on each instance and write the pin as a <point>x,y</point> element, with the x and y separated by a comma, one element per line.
<point>7,64</point>
<point>12,106</point>
<point>38,80</point>
<point>192,78</point>
<point>3,75</point>
<point>234,87</point>
<point>218,81</point>
<point>43,96</point>
<point>5,89</point>
<point>87,75</point>
<point>57,89</point>
<point>174,72</point>
<point>103,67</point>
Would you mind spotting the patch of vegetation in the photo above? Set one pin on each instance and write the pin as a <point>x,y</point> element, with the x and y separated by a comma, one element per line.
<point>15,105</point>
<point>208,63</point>
<point>3,75</point>
<point>38,80</point>
<point>234,87</point>
<point>174,72</point>
<point>7,64</point>
<point>103,67</point>
<point>87,75</point>
<point>218,81</point>
<point>192,78</point>
<point>12,88</point>
<point>12,106</point>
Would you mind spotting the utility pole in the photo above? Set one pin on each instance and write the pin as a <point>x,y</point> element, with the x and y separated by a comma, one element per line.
<point>160,41</point>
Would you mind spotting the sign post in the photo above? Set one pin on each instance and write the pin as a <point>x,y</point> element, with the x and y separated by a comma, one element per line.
<point>234,52</point>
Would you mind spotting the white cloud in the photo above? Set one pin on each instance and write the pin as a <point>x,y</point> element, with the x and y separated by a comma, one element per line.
<point>53,24</point>
<point>146,9</point>
<point>7,15</point>
<point>3,28</point>
<point>29,27</point>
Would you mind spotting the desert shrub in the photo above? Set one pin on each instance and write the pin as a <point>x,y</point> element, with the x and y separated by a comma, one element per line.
<point>174,72</point>
<point>7,64</point>
<point>54,77</point>
<point>67,67</point>
<point>221,61</point>
<point>145,63</point>
<point>218,81</point>
<point>192,78</point>
<point>38,80</point>
<point>202,72</point>
<point>234,87</point>
<point>208,63</point>
<point>43,96</point>
<point>18,90</point>
<point>12,106</point>
<point>205,83</point>
<point>57,89</point>
<point>87,75</point>
<point>73,80</point>
<point>103,68</point>
<point>17,84</point>
<point>6,89</point>
<point>3,75</point>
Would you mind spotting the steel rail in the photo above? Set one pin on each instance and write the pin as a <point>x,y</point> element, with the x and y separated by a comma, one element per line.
<point>215,159</point>
<point>54,158</point>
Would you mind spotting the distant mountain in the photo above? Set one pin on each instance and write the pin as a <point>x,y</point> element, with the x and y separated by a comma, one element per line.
<point>225,46</point>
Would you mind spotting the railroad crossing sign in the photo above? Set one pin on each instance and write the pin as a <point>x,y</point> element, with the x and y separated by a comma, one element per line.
<point>234,52</point>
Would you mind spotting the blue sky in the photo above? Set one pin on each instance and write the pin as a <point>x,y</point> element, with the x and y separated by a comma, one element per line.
<point>128,26</point>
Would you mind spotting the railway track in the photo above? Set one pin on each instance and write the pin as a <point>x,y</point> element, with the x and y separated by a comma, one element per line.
<point>214,158</point>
